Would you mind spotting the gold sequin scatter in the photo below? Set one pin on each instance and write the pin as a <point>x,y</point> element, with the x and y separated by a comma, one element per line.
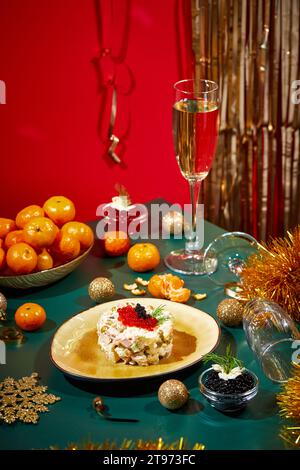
<point>140,444</point>
<point>289,403</point>
<point>173,394</point>
<point>230,312</point>
<point>274,273</point>
<point>101,289</point>
<point>23,400</point>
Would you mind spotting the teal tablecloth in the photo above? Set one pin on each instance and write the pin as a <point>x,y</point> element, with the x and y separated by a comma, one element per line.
<point>73,418</point>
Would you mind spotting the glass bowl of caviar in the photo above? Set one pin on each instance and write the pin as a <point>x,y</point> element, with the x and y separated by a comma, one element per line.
<point>229,395</point>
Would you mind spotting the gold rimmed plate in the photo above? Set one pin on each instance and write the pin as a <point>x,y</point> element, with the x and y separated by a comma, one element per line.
<point>75,351</point>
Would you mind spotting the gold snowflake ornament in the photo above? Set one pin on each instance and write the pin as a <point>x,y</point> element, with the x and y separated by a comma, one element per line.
<point>23,400</point>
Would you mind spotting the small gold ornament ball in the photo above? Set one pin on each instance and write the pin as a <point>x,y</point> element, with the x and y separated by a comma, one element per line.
<point>174,222</point>
<point>230,312</point>
<point>101,289</point>
<point>173,394</point>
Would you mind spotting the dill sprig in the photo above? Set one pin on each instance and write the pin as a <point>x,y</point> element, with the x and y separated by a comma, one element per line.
<point>158,313</point>
<point>227,362</point>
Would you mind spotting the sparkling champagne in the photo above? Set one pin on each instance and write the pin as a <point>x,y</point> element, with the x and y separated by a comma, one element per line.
<point>195,132</point>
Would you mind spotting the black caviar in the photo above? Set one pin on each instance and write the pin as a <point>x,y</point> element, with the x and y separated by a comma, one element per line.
<point>242,383</point>
<point>141,311</point>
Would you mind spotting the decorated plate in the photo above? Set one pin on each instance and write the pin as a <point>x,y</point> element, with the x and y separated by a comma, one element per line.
<point>75,350</point>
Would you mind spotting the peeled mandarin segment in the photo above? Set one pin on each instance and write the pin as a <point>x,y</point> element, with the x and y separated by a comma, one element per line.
<point>171,282</point>
<point>180,295</point>
<point>60,209</point>
<point>154,286</point>
<point>26,214</point>
<point>6,226</point>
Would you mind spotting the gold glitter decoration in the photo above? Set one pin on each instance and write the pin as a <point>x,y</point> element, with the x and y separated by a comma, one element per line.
<point>3,307</point>
<point>101,289</point>
<point>274,273</point>
<point>173,394</point>
<point>251,49</point>
<point>23,400</point>
<point>140,444</point>
<point>289,403</point>
<point>291,435</point>
<point>230,312</point>
<point>174,223</point>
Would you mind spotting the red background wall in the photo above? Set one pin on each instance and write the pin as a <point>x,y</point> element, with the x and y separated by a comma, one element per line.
<point>49,135</point>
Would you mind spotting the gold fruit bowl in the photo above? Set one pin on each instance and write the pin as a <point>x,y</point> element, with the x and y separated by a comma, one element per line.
<point>43,278</point>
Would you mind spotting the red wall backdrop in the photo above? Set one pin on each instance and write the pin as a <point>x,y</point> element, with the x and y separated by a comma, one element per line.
<point>49,134</point>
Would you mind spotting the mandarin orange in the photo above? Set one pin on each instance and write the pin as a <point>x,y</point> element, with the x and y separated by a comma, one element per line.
<point>26,214</point>
<point>21,258</point>
<point>143,257</point>
<point>2,258</point>
<point>40,232</point>
<point>6,226</point>
<point>44,260</point>
<point>60,209</point>
<point>81,231</point>
<point>168,286</point>
<point>66,247</point>
<point>16,236</point>
<point>30,316</point>
<point>116,243</point>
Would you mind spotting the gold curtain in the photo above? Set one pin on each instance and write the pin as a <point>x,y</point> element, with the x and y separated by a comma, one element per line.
<point>251,48</point>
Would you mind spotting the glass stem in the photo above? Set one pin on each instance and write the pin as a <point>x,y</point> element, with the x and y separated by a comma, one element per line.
<point>195,185</point>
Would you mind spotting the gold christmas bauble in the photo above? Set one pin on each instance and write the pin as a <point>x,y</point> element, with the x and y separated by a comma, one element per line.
<point>173,222</point>
<point>101,289</point>
<point>173,394</point>
<point>230,312</point>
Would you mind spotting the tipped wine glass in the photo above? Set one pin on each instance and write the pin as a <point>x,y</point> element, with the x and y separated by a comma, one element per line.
<point>225,258</point>
<point>195,135</point>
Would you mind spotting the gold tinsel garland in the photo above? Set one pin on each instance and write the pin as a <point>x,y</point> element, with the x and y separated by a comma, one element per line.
<point>289,403</point>
<point>140,444</point>
<point>274,273</point>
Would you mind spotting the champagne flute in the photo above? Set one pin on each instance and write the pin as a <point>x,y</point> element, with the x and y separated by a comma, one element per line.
<point>195,133</point>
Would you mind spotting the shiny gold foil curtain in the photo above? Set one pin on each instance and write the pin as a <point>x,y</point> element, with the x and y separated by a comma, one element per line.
<point>251,48</point>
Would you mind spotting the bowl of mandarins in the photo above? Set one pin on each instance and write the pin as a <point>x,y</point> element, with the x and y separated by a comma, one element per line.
<point>43,244</point>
